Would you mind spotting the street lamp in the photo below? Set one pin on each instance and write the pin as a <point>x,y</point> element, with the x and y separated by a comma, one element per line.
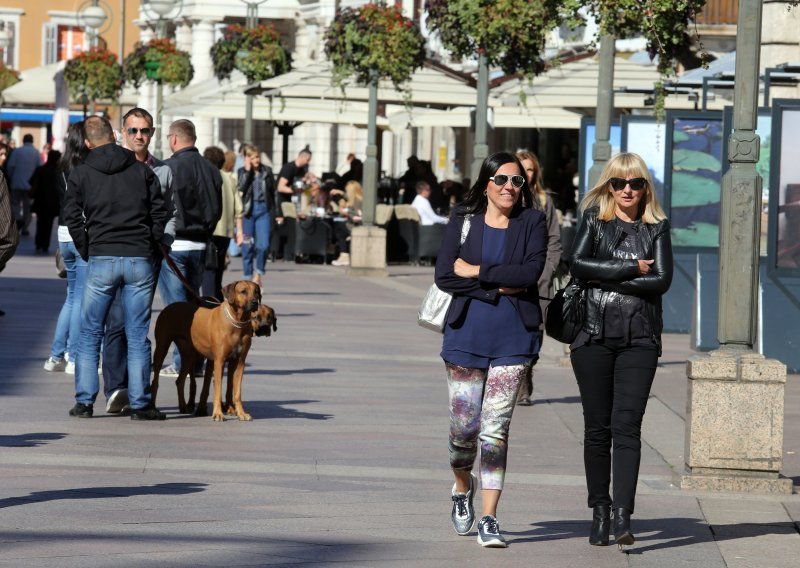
<point>160,8</point>
<point>92,17</point>
<point>251,21</point>
<point>5,41</point>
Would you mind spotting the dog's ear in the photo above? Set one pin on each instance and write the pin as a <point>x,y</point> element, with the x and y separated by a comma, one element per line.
<point>229,292</point>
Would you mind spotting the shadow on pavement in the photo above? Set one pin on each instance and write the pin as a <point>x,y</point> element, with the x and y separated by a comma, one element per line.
<point>275,409</point>
<point>672,532</point>
<point>286,372</point>
<point>103,493</point>
<point>31,440</point>
<point>562,400</point>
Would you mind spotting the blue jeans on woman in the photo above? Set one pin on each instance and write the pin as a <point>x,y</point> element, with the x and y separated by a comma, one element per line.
<point>68,327</point>
<point>257,227</point>
<point>104,276</point>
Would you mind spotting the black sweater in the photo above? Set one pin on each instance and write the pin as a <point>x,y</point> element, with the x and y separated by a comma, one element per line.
<point>114,205</point>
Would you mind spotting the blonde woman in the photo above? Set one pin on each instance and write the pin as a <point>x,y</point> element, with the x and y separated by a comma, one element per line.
<point>341,231</point>
<point>623,251</point>
<point>542,202</point>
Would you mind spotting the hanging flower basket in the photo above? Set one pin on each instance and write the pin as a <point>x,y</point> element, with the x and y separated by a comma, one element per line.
<point>374,41</point>
<point>8,76</point>
<point>94,74</point>
<point>158,60</point>
<point>256,52</point>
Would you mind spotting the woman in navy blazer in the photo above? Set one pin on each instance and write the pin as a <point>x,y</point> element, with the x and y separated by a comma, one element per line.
<point>491,336</point>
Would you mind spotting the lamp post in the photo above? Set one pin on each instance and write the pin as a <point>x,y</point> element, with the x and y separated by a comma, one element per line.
<point>251,20</point>
<point>93,17</point>
<point>601,149</point>
<point>160,8</point>
<point>481,148</point>
<point>5,41</point>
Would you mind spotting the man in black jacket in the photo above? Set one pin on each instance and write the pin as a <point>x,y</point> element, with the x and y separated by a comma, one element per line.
<point>196,195</point>
<point>116,215</point>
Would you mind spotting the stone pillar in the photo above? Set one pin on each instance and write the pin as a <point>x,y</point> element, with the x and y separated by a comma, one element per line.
<point>734,423</point>
<point>202,38</point>
<point>601,149</point>
<point>780,43</point>
<point>734,413</point>
<point>368,252</point>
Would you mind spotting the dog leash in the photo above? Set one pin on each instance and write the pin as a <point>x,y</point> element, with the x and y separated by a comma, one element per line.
<point>201,300</point>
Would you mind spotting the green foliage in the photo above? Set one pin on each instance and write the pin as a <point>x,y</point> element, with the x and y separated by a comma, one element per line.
<point>94,74</point>
<point>510,33</point>
<point>256,52</point>
<point>374,40</point>
<point>174,67</point>
<point>8,76</point>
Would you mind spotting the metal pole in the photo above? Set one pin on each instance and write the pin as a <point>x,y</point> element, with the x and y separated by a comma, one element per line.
<point>740,226</point>
<point>161,26</point>
<point>250,23</point>
<point>371,163</point>
<point>480,148</point>
<point>601,149</point>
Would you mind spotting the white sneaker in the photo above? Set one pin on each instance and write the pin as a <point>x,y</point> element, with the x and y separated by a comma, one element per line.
<point>168,371</point>
<point>489,533</point>
<point>117,401</point>
<point>55,365</point>
<point>70,368</point>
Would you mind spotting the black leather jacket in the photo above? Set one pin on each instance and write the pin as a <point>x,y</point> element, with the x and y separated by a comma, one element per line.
<point>606,274</point>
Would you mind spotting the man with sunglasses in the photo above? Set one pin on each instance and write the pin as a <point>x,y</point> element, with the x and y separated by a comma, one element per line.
<point>137,133</point>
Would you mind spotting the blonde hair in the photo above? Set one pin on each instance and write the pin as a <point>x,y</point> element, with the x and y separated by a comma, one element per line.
<point>251,150</point>
<point>355,193</point>
<point>537,184</point>
<point>624,165</point>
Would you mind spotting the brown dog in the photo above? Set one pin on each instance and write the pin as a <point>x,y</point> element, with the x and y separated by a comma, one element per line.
<point>264,323</point>
<point>217,334</point>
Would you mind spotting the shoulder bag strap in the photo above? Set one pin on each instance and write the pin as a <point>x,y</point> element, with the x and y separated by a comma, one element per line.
<point>465,228</point>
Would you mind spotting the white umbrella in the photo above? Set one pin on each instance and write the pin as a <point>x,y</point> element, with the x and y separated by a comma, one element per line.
<point>61,112</point>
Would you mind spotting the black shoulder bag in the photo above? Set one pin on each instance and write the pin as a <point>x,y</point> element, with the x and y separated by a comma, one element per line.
<point>566,313</point>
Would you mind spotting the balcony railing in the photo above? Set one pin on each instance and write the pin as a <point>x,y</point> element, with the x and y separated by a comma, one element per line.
<point>718,13</point>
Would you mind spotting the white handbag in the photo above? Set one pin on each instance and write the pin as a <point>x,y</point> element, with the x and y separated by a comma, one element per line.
<point>432,312</point>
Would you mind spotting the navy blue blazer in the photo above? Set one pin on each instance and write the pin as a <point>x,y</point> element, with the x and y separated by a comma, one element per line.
<point>525,256</point>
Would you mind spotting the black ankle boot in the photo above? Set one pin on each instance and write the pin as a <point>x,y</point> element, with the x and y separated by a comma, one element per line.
<point>622,527</point>
<point>601,523</point>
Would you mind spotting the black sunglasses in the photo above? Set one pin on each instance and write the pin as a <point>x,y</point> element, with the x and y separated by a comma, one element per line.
<point>637,184</point>
<point>132,131</point>
<point>502,179</point>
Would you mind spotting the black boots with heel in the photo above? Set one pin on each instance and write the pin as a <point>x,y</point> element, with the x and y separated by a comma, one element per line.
<point>601,524</point>
<point>622,527</point>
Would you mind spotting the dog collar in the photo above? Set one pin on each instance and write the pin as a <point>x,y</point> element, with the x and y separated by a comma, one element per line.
<point>237,324</point>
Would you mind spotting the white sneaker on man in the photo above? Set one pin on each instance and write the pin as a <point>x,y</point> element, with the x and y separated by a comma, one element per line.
<point>117,401</point>
<point>55,364</point>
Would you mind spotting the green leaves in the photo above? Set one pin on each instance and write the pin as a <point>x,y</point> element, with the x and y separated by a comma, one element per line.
<point>511,33</point>
<point>8,76</point>
<point>374,41</point>
<point>94,74</point>
<point>174,66</point>
<point>257,53</point>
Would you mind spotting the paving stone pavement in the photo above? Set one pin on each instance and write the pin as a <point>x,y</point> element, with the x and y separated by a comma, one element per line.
<point>345,461</point>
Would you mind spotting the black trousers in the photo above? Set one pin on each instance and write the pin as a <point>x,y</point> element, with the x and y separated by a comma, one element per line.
<point>614,381</point>
<point>212,279</point>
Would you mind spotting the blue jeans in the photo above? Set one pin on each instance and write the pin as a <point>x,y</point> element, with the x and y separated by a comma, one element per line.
<point>68,327</point>
<point>104,276</point>
<point>192,265</point>
<point>258,225</point>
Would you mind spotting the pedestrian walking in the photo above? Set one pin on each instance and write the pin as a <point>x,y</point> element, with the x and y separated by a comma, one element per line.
<point>21,164</point>
<point>9,237</point>
<point>257,190</point>
<point>116,216</point>
<point>230,223</point>
<point>64,348</point>
<point>624,254</point>
<point>197,200</point>
<point>491,336</point>
<point>45,199</point>
<point>543,202</point>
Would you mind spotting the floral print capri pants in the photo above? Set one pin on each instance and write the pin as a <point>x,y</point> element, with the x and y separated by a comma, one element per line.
<point>481,405</point>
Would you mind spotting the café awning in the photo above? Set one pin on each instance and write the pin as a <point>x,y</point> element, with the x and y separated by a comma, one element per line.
<point>37,88</point>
